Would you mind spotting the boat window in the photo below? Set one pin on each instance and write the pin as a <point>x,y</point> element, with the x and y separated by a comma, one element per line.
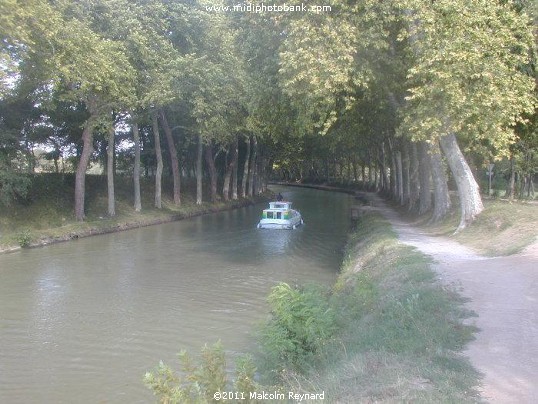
<point>269,215</point>
<point>279,215</point>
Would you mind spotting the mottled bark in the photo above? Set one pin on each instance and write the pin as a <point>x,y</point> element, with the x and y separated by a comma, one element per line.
<point>468,190</point>
<point>414,184</point>
<point>159,157</point>
<point>386,184</point>
<point>173,158</point>
<point>369,171</point>
<point>511,186</point>
<point>441,197</point>
<point>393,172</point>
<point>405,174</point>
<point>80,176</point>
<point>235,170</point>
<point>424,173</point>
<point>229,172</point>
<point>199,172</point>
<point>210,160</point>
<point>399,175</point>
<point>110,171</point>
<point>244,181</point>
<point>252,167</point>
<point>136,169</point>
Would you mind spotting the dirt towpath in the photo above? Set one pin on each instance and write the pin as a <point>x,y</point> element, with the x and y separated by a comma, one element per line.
<point>503,291</point>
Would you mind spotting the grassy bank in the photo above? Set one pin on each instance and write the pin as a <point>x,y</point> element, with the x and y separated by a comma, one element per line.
<point>399,333</point>
<point>503,228</point>
<point>46,216</point>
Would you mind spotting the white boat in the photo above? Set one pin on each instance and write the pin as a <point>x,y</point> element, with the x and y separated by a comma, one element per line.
<point>280,215</point>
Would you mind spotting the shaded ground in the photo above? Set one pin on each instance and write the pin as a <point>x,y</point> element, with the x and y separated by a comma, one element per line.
<point>503,291</point>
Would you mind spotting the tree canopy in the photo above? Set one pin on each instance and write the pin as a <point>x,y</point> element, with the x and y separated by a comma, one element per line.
<point>351,92</point>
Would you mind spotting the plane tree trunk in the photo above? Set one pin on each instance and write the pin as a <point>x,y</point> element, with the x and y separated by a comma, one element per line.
<point>110,171</point>
<point>173,158</point>
<point>252,169</point>
<point>424,174</point>
<point>244,181</point>
<point>210,160</point>
<point>235,168</point>
<point>80,176</point>
<point>159,156</point>
<point>136,169</point>
<point>441,197</point>
<point>468,190</point>
<point>229,171</point>
<point>199,172</point>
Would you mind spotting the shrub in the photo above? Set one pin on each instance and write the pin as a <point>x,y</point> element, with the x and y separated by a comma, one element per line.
<point>24,238</point>
<point>199,383</point>
<point>302,323</point>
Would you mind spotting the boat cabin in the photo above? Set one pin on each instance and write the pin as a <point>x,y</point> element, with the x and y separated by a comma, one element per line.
<point>277,210</point>
<point>280,215</point>
<point>280,205</point>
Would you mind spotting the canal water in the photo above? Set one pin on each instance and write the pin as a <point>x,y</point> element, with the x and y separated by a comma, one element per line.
<point>81,322</point>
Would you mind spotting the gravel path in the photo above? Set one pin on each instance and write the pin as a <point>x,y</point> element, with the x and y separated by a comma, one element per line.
<point>503,291</point>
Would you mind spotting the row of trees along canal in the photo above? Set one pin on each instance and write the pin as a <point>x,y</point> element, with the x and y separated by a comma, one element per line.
<point>398,91</point>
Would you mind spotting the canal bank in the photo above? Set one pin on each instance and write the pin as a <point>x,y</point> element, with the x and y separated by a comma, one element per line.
<point>37,233</point>
<point>29,237</point>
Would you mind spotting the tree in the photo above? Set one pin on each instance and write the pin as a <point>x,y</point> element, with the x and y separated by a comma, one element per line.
<point>466,81</point>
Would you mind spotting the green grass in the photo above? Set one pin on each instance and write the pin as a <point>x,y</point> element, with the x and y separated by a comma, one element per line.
<point>400,332</point>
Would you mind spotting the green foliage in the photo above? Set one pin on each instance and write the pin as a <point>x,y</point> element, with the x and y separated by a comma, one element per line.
<point>302,323</point>
<point>12,185</point>
<point>199,383</point>
<point>24,238</point>
<point>468,73</point>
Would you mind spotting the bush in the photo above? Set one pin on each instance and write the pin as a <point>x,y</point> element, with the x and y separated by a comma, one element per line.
<point>199,383</point>
<point>24,238</point>
<point>302,323</point>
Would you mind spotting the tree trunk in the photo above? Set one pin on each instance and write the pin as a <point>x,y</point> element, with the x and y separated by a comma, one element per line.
<point>235,168</point>
<point>136,169</point>
<point>441,197</point>
<point>386,184</point>
<point>511,188</point>
<point>199,172</point>
<point>244,190</point>
<point>468,190</point>
<point>424,174</point>
<point>80,176</point>
<point>414,185</point>
<point>260,174</point>
<point>110,171</point>
<point>159,156</point>
<point>369,171</point>
<point>355,173</point>
<point>405,174</point>
<point>212,171</point>
<point>399,175</point>
<point>229,172</point>
<point>173,158</point>
<point>252,169</point>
